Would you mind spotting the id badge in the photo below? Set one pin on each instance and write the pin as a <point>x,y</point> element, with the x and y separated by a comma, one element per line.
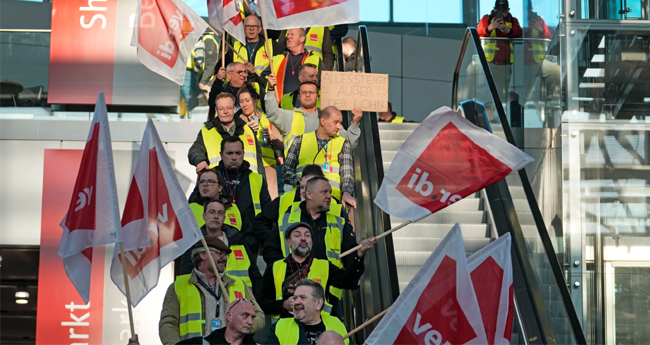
<point>216,324</point>
<point>327,167</point>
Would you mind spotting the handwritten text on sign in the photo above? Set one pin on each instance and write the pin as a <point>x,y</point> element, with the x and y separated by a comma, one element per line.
<point>347,91</point>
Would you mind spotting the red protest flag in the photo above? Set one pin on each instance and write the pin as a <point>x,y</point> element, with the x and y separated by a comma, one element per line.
<point>93,217</point>
<point>158,224</point>
<point>224,15</point>
<point>438,306</point>
<point>491,272</point>
<point>288,14</point>
<point>165,33</point>
<point>444,160</point>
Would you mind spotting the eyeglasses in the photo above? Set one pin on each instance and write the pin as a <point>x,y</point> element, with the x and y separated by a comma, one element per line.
<point>207,182</point>
<point>251,26</point>
<point>221,110</point>
<point>218,252</point>
<point>311,92</point>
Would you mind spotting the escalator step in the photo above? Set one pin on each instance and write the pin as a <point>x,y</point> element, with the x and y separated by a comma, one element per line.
<point>449,217</point>
<point>415,232</point>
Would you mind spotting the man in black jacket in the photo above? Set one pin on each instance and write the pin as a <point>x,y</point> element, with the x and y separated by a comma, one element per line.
<point>213,216</point>
<point>239,317</point>
<point>236,73</point>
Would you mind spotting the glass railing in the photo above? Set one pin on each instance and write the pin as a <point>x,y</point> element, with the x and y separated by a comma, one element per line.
<point>545,309</point>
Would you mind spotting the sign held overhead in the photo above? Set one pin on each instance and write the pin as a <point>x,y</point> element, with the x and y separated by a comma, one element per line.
<point>347,91</point>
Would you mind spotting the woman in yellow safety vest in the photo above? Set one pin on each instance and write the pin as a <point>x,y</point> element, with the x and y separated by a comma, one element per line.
<point>267,135</point>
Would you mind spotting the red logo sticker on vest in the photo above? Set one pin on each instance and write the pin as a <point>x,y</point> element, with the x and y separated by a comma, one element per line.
<point>313,37</point>
<point>238,295</point>
<point>238,254</point>
<point>316,280</point>
<point>264,56</point>
<point>250,140</point>
<point>233,220</point>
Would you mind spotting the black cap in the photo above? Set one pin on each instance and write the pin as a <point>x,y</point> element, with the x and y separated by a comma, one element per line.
<point>501,4</point>
<point>294,226</point>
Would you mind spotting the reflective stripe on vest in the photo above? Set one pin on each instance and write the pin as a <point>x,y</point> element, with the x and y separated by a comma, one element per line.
<point>288,331</point>
<point>310,153</point>
<point>261,57</point>
<point>319,271</point>
<point>191,314</point>
<point>314,40</point>
<point>212,141</point>
<point>238,264</point>
<point>490,47</point>
<point>297,128</point>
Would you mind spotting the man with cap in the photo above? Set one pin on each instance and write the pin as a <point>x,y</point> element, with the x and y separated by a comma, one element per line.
<point>279,280</point>
<point>194,304</point>
<point>239,264</point>
<point>500,53</point>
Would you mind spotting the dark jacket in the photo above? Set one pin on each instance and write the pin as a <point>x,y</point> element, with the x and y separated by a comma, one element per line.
<point>337,278</point>
<point>198,153</point>
<point>273,248</point>
<point>218,337</point>
<point>220,86</point>
<point>328,54</point>
<point>265,224</point>
<point>234,238</point>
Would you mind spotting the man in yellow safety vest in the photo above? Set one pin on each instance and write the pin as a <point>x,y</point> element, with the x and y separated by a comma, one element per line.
<point>194,304</point>
<point>279,280</point>
<point>307,72</point>
<point>309,321</point>
<point>239,262</point>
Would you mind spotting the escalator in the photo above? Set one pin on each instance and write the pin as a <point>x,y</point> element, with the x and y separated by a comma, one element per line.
<point>544,312</point>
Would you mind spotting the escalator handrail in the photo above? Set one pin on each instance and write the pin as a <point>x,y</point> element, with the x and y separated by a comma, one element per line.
<point>472,35</point>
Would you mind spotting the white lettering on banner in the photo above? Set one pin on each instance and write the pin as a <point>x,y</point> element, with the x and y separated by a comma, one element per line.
<point>167,47</point>
<point>175,23</point>
<point>84,200</point>
<point>432,337</point>
<point>446,311</point>
<point>138,253</point>
<point>95,17</point>
<point>426,188</point>
<point>77,321</point>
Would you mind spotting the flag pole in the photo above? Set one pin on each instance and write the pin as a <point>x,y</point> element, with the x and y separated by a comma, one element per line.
<point>266,37</point>
<point>229,47</point>
<point>223,49</point>
<point>378,237</point>
<point>128,290</point>
<point>363,325</point>
<point>216,271</point>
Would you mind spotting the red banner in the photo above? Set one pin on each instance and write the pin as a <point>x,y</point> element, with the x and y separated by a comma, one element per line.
<point>82,51</point>
<point>62,316</point>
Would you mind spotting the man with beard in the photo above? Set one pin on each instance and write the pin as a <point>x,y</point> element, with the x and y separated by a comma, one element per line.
<point>205,152</point>
<point>194,304</point>
<point>279,281</point>
<point>309,320</point>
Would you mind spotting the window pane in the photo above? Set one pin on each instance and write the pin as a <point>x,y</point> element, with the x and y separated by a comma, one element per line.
<point>374,10</point>
<point>516,9</point>
<point>428,11</point>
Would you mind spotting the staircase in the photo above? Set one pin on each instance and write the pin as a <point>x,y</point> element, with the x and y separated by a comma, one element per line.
<point>415,243</point>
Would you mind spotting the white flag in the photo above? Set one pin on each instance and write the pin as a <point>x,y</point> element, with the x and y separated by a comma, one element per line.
<point>224,15</point>
<point>289,14</point>
<point>93,217</point>
<point>491,272</point>
<point>165,33</point>
<point>438,306</point>
<point>158,224</point>
<point>444,160</point>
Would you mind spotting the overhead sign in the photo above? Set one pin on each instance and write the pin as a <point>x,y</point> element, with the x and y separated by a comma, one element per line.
<point>347,91</point>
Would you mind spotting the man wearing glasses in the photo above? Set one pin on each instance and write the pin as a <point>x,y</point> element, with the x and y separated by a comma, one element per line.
<point>194,304</point>
<point>236,77</point>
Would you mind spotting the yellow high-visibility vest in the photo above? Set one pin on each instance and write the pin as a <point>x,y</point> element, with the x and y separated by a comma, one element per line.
<point>490,48</point>
<point>212,141</point>
<point>311,153</point>
<point>261,58</point>
<point>314,40</point>
<point>297,128</point>
<point>319,271</point>
<point>191,310</point>
<point>238,264</point>
<point>288,331</point>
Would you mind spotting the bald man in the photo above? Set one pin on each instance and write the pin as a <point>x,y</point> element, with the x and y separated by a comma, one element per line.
<point>330,338</point>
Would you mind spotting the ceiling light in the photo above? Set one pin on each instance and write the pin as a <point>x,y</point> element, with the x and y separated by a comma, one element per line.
<point>22,294</point>
<point>21,301</point>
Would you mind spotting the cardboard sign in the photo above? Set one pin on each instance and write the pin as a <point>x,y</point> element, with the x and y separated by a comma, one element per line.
<point>347,91</point>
